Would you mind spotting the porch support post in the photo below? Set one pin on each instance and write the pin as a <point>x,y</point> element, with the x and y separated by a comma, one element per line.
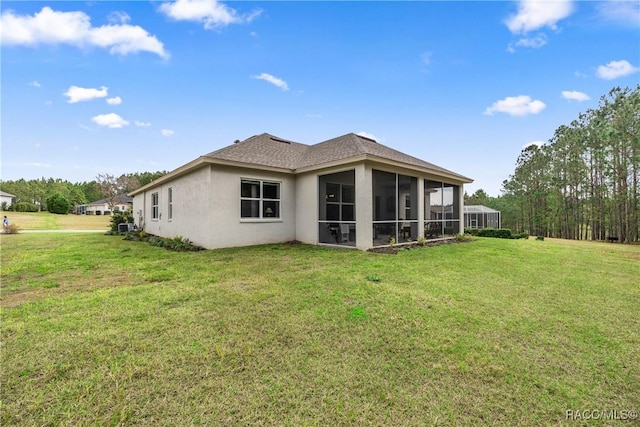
<point>364,206</point>
<point>421,207</point>
<point>461,213</point>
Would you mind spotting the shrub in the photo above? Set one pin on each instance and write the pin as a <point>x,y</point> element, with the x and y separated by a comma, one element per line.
<point>463,238</point>
<point>25,207</point>
<point>539,237</point>
<point>58,204</point>
<point>178,243</point>
<point>118,218</point>
<point>11,229</point>
<point>500,233</point>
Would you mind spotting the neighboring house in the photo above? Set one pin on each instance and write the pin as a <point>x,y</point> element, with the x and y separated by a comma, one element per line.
<point>101,207</point>
<point>347,191</point>
<point>7,198</point>
<point>478,216</point>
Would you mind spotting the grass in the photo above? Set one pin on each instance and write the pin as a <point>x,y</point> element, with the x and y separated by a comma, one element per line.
<point>101,331</point>
<point>50,221</point>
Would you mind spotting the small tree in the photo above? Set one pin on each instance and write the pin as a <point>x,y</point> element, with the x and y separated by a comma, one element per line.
<point>58,204</point>
<point>118,218</point>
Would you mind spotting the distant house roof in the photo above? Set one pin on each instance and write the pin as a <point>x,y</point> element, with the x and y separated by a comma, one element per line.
<point>2,193</point>
<point>478,209</point>
<point>121,199</point>
<point>266,151</point>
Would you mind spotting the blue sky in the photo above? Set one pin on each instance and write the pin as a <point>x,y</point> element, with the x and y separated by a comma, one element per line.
<point>132,86</point>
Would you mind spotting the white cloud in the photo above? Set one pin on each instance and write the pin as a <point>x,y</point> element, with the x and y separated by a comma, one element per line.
<point>615,69</point>
<point>579,75</point>
<point>520,105</point>
<point>37,165</point>
<point>35,84</point>
<point>74,28</point>
<point>116,100</point>
<point>574,95</point>
<point>167,132</point>
<point>78,94</point>
<point>531,42</point>
<point>142,124</point>
<point>620,11</point>
<point>119,17</point>
<point>426,58</point>
<point>273,80</point>
<point>314,116</point>
<point>534,14</point>
<point>110,120</point>
<point>211,13</point>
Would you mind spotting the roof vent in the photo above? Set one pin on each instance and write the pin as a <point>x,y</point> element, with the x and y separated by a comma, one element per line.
<point>367,138</point>
<point>236,141</point>
<point>280,140</point>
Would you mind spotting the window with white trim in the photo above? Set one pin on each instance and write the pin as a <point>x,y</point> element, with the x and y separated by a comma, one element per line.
<point>170,203</point>
<point>259,199</point>
<point>154,206</point>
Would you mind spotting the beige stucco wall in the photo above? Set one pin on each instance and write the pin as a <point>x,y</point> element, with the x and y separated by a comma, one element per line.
<point>307,208</point>
<point>228,229</point>
<point>206,206</point>
<point>364,207</point>
<point>191,208</point>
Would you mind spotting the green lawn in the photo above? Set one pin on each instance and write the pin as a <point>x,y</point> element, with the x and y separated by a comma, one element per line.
<point>101,331</point>
<point>50,221</point>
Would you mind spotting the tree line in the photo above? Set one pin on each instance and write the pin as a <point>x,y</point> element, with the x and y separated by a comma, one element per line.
<point>584,183</point>
<point>38,194</point>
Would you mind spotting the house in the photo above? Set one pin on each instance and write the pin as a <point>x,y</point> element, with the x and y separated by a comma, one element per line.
<point>478,216</point>
<point>348,191</point>
<point>101,207</point>
<point>6,200</point>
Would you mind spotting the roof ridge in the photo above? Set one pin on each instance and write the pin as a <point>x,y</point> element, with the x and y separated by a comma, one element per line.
<point>360,143</point>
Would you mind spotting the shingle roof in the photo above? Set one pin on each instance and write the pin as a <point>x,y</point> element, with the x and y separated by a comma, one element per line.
<point>351,145</point>
<point>263,150</point>
<point>120,198</point>
<point>272,151</point>
<point>268,151</point>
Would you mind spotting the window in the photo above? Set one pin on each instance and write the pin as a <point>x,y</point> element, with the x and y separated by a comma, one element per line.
<point>170,203</point>
<point>259,199</point>
<point>155,212</point>
<point>340,202</point>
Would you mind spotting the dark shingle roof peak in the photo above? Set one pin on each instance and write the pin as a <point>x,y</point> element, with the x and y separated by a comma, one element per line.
<point>267,150</point>
<point>264,150</point>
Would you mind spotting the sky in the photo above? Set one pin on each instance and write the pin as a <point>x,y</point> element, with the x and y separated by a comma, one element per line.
<point>133,86</point>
